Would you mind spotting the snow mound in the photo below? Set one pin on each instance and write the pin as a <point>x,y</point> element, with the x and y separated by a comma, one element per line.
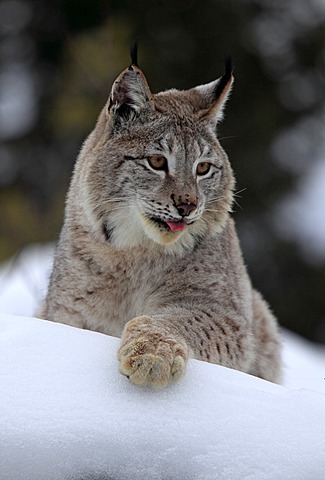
<point>24,280</point>
<point>66,413</point>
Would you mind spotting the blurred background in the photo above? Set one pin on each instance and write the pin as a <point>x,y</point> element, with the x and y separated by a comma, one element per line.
<point>58,60</point>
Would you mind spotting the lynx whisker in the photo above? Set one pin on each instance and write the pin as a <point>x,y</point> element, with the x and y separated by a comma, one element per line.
<point>212,210</point>
<point>217,199</point>
<point>236,194</point>
<point>238,204</point>
<point>228,137</point>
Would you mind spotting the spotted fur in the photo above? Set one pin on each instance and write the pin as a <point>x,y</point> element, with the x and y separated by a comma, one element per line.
<point>148,250</point>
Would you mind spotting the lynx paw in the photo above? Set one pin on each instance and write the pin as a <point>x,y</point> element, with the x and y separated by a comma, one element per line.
<point>150,356</point>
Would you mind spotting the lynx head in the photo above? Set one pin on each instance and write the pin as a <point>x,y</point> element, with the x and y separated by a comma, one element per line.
<point>153,172</point>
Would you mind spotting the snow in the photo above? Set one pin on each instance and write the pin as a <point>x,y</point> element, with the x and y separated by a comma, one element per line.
<point>300,216</point>
<point>67,414</point>
<point>24,279</point>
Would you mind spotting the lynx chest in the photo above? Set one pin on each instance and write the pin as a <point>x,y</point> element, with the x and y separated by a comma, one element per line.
<point>121,286</point>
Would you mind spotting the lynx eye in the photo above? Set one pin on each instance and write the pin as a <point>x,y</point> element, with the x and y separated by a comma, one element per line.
<point>203,168</point>
<point>157,162</point>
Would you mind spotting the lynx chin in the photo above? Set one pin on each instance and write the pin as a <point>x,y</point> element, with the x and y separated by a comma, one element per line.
<point>148,250</point>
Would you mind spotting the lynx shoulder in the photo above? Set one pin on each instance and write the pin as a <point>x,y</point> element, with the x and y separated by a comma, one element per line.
<point>148,250</point>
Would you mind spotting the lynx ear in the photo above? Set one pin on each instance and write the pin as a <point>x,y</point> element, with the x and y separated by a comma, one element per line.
<point>213,96</point>
<point>130,92</point>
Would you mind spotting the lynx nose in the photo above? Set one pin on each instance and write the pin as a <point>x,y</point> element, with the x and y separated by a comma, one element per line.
<point>185,208</point>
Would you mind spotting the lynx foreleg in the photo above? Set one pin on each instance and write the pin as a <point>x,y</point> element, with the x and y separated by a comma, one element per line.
<point>155,349</point>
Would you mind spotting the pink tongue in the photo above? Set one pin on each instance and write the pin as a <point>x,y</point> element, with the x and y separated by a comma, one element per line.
<point>176,226</point>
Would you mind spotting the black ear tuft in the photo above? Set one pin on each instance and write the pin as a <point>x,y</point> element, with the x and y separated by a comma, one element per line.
<point>134,54</point>
<point>229,67</point>
<point>225,77</point>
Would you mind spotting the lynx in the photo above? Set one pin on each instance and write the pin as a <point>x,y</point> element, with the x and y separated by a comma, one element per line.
<point>148,249</point>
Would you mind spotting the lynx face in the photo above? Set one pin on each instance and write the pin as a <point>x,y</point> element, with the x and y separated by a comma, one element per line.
<point>163,175</point>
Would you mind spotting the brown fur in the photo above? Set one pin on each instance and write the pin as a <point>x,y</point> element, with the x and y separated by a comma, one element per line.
<point>119,269</point>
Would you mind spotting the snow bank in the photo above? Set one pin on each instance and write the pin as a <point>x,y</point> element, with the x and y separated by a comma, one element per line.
<point>24,279</point>
<point>67,414</point>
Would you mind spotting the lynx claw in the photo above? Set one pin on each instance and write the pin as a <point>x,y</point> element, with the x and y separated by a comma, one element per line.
<point>150,369</point>
<point>152,361</point>
<point>178,368</point>
<point>150,354</point>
